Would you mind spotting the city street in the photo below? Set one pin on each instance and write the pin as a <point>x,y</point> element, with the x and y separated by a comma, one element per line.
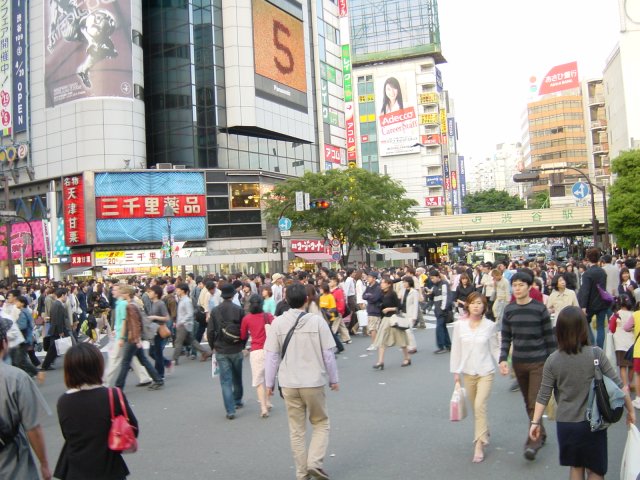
<point>391,424</point>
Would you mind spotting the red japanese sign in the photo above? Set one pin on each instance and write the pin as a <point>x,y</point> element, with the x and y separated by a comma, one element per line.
<point>81,259</point>
<point>434,201</point>
<point>150,206</point>
<point>307,246</point>
<point>73,203</point>
<point>332,154</point>
<point>560,77</point>
<point>342,8</point>
<point>431,139</point>
<point>351,133</point>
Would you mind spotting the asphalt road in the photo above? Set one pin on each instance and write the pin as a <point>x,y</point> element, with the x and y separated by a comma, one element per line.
<point>390,424</point>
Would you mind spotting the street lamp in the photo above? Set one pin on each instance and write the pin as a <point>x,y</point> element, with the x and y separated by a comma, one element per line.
<point>533,175</point>
<point>168,215</point>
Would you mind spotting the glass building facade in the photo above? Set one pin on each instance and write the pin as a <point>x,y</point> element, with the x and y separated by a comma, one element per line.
<point>184,96</point>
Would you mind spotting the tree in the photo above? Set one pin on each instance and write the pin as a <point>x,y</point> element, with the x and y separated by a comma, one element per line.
<point>540,200</point>
<point>492,201</point>
<point>624,199</point>
<point>364,206</point>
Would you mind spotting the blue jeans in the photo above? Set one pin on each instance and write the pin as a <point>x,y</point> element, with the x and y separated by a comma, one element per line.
<point>230,366</point>
<point>601,316</point>
<point>155,352</point>
<point>131,350</point>
<point>442,334</point>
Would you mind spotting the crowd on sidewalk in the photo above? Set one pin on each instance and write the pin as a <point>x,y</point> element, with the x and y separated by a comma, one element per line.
<point>533,321</point>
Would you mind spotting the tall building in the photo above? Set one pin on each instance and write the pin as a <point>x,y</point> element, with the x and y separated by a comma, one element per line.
<point>404,117</point>
<point>597,138</point>
<point>621,76</point>
<point>237,94</point>
<point>505,164</point>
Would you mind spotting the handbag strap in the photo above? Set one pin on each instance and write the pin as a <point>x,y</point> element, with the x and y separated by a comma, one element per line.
<point>111,403</point>
<point>287,339</point>
<point>124,410</point>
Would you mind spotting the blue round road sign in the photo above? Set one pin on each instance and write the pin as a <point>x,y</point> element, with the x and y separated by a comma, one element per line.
<point>580,190</point>
<point>284,224</point>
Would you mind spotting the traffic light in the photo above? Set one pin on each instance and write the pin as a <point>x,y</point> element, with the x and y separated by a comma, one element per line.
<point>320,204</point>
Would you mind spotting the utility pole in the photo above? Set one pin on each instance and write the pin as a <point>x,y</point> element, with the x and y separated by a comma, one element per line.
<point>7,206</point>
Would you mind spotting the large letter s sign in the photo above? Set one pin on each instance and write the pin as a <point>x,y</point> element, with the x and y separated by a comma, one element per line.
<point>277,28</point>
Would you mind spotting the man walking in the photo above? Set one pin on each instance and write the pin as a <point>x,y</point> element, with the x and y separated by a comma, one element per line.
<point>301,345</point>
<point>57,327</point>
<point>589,297</point>
<point>440,296</point>
<point>223,334</point>
<point>184,325</point>
<point>526,325</point>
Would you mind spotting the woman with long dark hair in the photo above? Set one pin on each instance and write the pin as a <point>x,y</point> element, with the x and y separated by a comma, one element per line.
<point>567,374</point>
<point>392,96</point>
<point>389,336</point>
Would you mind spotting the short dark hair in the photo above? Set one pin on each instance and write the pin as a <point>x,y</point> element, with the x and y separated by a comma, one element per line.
<point>23,300</point>
<point>593,254</point>
<point>157,289</point>
<point>210,285</point>
<point>61,292</point>
<point>184,287</point>
<point>571,330</point>
<point>522,277</point>
<point>472,297</point>
<point>554,280</point>
<point>409,280</point>
<point>606,258</point>
<point>83,365</point>
<point>255,303</point>
<point>296,295</point>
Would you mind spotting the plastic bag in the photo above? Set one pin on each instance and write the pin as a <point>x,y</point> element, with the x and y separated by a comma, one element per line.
<point>630,468</point>
<point>63,344</point>
<point>458,404</point>
<point>215,370</point>
<point>552,406</point>
<point>610,350</point>
<point>363,318</point>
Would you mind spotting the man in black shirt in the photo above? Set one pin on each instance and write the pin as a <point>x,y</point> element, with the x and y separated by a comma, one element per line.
<point>589,297</point>
<point>57,327</point>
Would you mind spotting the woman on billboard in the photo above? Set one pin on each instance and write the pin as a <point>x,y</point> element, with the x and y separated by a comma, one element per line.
<point>392,96</point>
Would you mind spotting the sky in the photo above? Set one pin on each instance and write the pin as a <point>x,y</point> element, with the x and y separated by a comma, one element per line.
<point>493,48</point>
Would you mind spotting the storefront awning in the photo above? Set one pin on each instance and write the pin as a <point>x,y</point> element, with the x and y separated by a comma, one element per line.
<point>392,254</point>
<point>76,271</point>
<point>315,257</point>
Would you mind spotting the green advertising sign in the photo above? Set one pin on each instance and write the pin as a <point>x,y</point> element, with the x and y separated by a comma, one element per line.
<point>346,70</point>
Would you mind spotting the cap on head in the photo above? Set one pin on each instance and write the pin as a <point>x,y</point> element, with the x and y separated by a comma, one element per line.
<point>227,291</point>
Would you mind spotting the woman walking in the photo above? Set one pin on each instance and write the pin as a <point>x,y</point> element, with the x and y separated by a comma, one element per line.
<point>409,306</point>
<point>623,340</point>
<point>85,419</point>
<point>567,374</point>
<point>255,324</point>
<point>474,354</point>
<point>561,296</point>
<point>465,288</point>
<point>389,336</point>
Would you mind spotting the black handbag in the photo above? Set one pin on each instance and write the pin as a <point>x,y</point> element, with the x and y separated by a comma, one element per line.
<point>608,414</point>
<point>628,356</point>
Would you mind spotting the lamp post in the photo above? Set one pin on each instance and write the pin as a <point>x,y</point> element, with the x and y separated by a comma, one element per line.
<point>168,215</point>
<point>533,175</point>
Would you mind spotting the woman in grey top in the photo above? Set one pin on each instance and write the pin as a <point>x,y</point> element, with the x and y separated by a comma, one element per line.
<point>568,373</point>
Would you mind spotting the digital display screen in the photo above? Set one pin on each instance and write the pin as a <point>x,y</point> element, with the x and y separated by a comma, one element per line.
<point>279,54</point>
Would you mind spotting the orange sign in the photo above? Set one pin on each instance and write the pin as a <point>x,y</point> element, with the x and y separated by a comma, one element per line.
<point>279,46</point>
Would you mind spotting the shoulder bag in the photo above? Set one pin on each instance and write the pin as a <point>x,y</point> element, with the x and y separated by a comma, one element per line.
<point>608,413</point>
<point>629,353</point>
<point>285,344</point>
<point>400,321</point>
<point>605,296</point>
<point>122,438</point>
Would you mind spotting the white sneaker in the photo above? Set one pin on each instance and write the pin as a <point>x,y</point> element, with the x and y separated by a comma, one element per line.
<point>371,348</point>
<point>636,403</point>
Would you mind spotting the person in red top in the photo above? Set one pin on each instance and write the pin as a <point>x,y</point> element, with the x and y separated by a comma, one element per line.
<point>255,324</point>
<point>341,306</point>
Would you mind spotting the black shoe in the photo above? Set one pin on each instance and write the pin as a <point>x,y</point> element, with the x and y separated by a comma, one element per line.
<point>239,405</point>
<point>379,366</point>
<point>156,386</point>
<point>440,351</point>
<point>231,416</point>
<point>47,368</point>
<point>144,384</point>
<point>530,453</point>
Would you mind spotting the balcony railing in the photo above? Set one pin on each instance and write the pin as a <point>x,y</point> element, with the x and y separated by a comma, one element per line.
<point>598,124</point>
<point>601,148</point>
<point>596,99</point>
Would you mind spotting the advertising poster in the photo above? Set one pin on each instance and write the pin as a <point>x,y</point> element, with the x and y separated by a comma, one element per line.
<point>87,50</point>
<point>279,55</point>
<point>130,206</point>
<point>74,211</point>
<point>21,240</point>
<point>463,177</point>
<point>6,72</point>
<point>397,117</point>
<point>19,54</point>
<point>559,78</point>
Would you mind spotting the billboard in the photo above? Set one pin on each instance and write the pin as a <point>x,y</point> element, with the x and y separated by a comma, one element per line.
<point>130,206</point>
<point>87,50</point>
<point>21,240</point>
<point>6,69</point>
<point>75,232</point>
<point>398,131</point>
<point>19,58</point>
<point>434,180</point>
<point>332,154</point>
<point>279,55</point>
<point>559,78</point>
<point>437,201</point>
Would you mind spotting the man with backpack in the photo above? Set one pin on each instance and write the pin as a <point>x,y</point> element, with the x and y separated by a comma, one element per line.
<point>223,334</point>
<point>442,305</point>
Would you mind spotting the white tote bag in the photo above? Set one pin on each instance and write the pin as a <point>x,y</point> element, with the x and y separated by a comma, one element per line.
<point>458,404</point>
<point>610,349</point>
<point>62,345</point>
<point>363,318</point>
<point>630,469</point>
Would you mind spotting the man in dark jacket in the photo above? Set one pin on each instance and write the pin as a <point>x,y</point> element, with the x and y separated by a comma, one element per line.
<point>589,297</point>
<point>57,327</point>
<point>223,334</point>
<point>441,305</point>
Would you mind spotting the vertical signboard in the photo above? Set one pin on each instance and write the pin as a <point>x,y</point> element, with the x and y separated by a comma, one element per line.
<point>18,48</point>
<point>462,179</point>
<point>447,179</point>
<point>342,8</point>
<point>443,122</point>
<point>349,107</point>
<point>439,84</point>
<point>6,68</point>
<point>73,204</point>
<point>346,71</point>
<point>397,117</point>
<point>87,50</point>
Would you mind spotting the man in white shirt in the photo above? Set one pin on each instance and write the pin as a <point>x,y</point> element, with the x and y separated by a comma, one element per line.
<point>277,287</point>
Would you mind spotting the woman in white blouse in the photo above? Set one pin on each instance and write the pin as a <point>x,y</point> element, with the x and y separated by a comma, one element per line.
<point>474,353</point>
<point>560,297</point>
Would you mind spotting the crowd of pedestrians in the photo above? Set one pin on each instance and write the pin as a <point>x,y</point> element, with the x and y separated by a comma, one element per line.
<point>533,321</point>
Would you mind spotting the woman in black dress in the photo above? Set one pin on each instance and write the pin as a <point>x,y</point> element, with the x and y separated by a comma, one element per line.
<point>85,419</point>
<point>389,336</point>
<point>465,288</point>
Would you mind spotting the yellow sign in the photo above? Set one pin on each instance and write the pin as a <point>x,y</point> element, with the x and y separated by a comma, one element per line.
<point>443,122</point>
<point>101,255</point>
<point>366,98</point>
<point>426,118</point>
<point>431,97</point>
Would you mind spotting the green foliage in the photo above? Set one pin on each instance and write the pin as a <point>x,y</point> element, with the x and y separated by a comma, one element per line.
<point>364,207</point>
<point>539,200</point>
<point>624,199</point>
<point>492,201</point>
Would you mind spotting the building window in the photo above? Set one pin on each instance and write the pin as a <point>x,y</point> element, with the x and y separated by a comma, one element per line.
<point>244,195</point>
